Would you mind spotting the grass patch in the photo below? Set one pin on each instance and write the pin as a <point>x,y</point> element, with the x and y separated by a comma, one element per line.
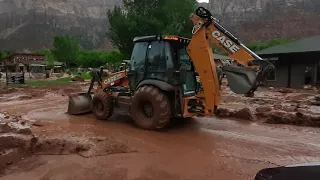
<point>85,76</point>
<point>60,81</point>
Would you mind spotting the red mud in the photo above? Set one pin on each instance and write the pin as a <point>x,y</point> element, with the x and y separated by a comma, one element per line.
<point>40,141</point>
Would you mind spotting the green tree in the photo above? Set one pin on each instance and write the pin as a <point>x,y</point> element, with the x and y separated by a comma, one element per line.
<point>97,58</point>
<point>113,58</point>
<point>66,49</point>
<point>3,55</point>
<point>148,17</point>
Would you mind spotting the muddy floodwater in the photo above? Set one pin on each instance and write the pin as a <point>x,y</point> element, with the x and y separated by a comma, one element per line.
<point>200,148</point>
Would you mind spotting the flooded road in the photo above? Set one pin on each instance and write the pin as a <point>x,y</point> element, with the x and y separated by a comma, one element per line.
<point>200,148</point>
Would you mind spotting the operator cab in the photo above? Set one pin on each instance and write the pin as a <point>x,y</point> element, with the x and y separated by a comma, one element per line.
<point>164,59</point>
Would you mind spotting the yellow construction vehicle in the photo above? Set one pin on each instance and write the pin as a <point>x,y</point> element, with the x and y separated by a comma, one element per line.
<point>160,82</point>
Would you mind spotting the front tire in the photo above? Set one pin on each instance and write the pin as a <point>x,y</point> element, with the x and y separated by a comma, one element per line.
<point>249,94</point>
<point>150,108</point>
<point>102,105</point>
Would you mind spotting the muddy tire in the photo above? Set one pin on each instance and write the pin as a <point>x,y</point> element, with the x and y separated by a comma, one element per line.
<point>102,105</point>
<point>150,108</point>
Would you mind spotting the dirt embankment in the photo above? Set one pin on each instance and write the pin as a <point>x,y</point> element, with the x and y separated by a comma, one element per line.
<point>276,106</point>
<point>17,141</point>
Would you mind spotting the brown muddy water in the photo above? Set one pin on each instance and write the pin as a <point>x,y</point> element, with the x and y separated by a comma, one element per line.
<point>200,148</point>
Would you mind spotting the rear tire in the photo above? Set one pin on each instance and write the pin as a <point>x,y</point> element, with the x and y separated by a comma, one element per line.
<point>102,105</point>
<point>150,108</point>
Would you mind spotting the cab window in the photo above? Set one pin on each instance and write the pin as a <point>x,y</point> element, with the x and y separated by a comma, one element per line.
<point>138,56</point>
<point>156,56</point>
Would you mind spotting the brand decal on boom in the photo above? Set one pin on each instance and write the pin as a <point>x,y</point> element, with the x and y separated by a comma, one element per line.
<point>233,48</point>
<point>112,79</point>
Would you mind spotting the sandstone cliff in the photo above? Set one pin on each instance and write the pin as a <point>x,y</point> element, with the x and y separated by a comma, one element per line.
<point>31,24</point>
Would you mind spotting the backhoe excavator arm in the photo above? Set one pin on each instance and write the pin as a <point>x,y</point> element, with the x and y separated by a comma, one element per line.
<point>242,80</point>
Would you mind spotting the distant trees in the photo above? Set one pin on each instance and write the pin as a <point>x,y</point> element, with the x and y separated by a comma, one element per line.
<point>97,58</point>
<point>257,46</point>
<point>67,50</point>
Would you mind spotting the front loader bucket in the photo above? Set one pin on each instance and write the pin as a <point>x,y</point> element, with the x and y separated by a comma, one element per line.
<point>79,103</point>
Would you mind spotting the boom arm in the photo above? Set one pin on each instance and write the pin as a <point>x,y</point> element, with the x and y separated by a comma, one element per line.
<point>223,38</point>
<point>242,80</point>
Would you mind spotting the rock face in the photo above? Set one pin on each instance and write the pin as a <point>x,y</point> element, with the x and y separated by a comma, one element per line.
<point>268,19</point>
<point>32,24</point>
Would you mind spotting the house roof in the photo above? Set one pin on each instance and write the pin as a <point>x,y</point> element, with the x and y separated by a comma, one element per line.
<point>304,45</point>
<point>24,58</point>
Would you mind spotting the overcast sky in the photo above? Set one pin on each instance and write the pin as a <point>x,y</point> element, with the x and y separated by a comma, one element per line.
<point>203,1</point>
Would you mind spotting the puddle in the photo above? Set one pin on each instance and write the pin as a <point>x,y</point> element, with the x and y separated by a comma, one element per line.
<point>47,114</point>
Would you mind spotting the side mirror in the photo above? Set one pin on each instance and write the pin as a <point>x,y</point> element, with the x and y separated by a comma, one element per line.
<point>308,171</point>
<point>183,74</point>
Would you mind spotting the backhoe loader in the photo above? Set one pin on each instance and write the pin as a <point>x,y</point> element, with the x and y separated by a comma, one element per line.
<point>160,82</point>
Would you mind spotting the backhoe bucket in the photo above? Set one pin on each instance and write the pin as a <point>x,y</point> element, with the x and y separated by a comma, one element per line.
<point>243,80</point>
<point>79,103</point>
<point>240,79</point>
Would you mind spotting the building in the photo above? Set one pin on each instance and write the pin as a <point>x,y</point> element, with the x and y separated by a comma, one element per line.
<point>296,63</point>
<point>23,62</point>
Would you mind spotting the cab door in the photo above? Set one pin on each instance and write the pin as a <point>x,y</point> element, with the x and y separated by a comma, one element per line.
<point>159,62</point>
<point>137,69</point>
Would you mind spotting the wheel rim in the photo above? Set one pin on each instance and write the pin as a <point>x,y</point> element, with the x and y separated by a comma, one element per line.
<point>146,109</point>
